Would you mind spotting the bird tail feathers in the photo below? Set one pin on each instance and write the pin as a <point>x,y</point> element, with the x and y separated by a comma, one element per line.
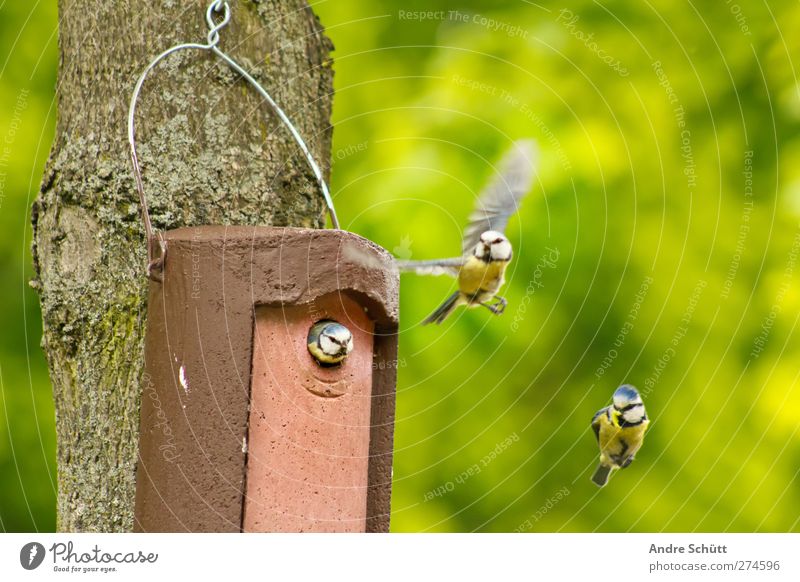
<point>600,477</point>
<point>444,310</point>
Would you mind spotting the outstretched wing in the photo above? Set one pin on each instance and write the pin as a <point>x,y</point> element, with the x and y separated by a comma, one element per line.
<point>433,267</point>
<point>501,197</point>
<point>430,267</point>
<point>596,423</point>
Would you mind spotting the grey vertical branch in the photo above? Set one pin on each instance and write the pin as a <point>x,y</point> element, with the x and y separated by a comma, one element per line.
<point>211,154</point>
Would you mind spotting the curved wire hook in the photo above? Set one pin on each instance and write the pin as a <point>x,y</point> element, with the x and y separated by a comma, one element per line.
<point>214,28</point>
<point>155,262</point>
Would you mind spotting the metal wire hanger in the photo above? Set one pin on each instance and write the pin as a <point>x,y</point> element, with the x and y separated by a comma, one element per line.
<point>216,7</point>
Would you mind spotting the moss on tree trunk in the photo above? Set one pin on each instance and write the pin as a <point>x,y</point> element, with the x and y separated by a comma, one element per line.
<point>210,153</point>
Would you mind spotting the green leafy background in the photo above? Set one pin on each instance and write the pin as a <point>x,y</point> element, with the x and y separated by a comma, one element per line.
<point>659,270</point>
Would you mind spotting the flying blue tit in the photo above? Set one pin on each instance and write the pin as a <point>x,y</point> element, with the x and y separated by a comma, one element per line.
<point>329,342</point>
<point>486,251</point>
<point>619,429</point>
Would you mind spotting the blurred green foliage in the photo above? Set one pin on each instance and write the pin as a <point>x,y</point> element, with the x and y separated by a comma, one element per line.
<point>668,190</point>
<point>28,61</point>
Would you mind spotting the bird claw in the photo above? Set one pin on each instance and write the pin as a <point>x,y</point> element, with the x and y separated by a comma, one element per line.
<point>502,303</point>
<point>498,307</point>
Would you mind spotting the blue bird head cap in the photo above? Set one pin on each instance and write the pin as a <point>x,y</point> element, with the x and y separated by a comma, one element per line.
<point>626,395</point>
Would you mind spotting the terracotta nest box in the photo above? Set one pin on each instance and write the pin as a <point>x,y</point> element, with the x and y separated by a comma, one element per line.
<point>241,428</point>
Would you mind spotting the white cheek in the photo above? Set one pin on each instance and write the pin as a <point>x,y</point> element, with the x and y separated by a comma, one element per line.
<point>328,345</point>
<point>634,415</point>
<point>501,251</point>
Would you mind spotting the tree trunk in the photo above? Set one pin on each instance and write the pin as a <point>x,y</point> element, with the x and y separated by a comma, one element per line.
<point>211,153</point>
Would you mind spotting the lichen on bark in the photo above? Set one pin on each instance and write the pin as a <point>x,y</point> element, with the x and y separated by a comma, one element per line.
<point>211,153</point>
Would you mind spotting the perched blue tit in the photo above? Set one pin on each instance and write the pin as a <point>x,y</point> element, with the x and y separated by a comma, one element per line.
<point>329,342</point>
<point>619,429</point>
<point>480,270</point>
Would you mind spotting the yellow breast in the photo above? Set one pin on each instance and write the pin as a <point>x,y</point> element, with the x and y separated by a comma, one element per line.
<point>476,276</point>
<point>616,441</point>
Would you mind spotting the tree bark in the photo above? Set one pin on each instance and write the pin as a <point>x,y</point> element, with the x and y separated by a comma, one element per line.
<point>211,153</point>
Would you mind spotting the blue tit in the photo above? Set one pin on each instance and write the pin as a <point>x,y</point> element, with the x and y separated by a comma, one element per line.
<point>329,342</point>
<point>480,270</point>
<point>619,429</point>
